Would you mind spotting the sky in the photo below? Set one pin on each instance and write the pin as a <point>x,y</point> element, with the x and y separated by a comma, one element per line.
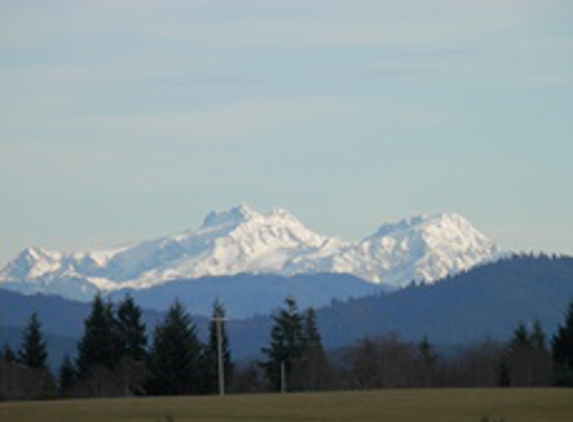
<point>127,120</point>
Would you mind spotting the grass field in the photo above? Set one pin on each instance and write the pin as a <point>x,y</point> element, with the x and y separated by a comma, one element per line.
<point>534,405</point>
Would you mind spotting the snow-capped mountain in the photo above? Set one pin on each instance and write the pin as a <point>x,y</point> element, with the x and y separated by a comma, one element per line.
<point>241,240</point>
<point>423,248</point>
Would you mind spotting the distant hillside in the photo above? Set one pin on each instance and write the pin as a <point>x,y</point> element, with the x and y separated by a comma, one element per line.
<point>58,346</point>
<point>488,301</point>
<point>245,295</point>
<point>58,315</point>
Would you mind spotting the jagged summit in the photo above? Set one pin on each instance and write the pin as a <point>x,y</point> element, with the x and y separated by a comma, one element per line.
<point>236,215</point>
<point>31,262</point>
<point>404,224</point>
<point>418,222</point>
<point>242,240</point>
<point>243,213</point>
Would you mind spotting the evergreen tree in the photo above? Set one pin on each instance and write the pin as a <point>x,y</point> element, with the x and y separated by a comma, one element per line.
<point>518,356</point>
<point>520,338</point>
<point>287,344</point>
<point>311,335</point>
<point>66,375</point>
<point>32,352</point>
<point>537,337</point>
<point>562,348</point>
<point>101,342</point>
<point>131,330</point>
<point>210,356</point>
<point>427,363</point>
<point>174,359</point>
<point>312,371</point>
<point>365,371</point>
<point>503,375</point>
<point>8,354</point>
<point>527,357</point>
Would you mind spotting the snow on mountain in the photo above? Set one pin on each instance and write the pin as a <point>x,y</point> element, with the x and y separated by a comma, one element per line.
<point>241,240</point>
<point>424,248</point>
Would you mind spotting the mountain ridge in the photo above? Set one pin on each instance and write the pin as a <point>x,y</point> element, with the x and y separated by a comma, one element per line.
<point>487,302</point>
<point>242,240</point>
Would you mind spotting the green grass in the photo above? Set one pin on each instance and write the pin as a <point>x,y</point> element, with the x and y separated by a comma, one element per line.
<point>511,405</point>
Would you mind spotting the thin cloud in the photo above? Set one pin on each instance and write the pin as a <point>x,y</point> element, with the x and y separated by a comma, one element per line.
<point>222,123</point>
<point>263,23</point>
<point>243,122</point>
<point>545,81</point>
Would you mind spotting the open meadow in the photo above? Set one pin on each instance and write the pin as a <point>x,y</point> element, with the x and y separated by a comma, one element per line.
<point>468,405</point>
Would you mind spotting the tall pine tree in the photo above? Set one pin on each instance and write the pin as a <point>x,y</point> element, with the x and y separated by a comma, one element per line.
<point>101,341</point>
<point>286,347</point>
<point>427,361</point>
<point>66,376</point>
<point>312,371</point>
<point>210,356</point>
<point>33,352</point>
<point>527,357</point>
<point>8,354</point>
<point>562,348</point>
<point>174,358</point>
<point>131,330</point>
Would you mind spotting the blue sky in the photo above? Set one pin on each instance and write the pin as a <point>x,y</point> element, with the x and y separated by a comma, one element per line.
<point>126,120</point>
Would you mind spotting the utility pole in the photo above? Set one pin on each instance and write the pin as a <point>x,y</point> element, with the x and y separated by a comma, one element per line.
<point>221,369</point>
<point>283,377</point>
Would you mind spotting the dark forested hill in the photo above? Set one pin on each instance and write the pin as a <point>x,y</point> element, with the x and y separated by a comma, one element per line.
<point>245,295</point>
<point>488,301</point>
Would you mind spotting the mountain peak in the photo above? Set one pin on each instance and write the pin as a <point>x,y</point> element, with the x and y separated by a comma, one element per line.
<point>31,262</point>
<point>422,221</point>
<point>233,216</point>
<point>242,240</point>
<point>34,252</point>
<point>452,217</point>
<point>284,215</point>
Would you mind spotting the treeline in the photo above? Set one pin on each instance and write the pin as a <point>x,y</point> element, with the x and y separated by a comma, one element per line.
<point>115,358</point>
